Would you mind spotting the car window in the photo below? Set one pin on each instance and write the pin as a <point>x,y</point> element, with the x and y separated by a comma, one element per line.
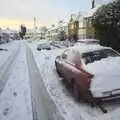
<point>97,55</point>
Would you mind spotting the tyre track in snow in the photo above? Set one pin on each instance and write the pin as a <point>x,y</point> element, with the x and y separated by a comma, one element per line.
<point>42,105</point>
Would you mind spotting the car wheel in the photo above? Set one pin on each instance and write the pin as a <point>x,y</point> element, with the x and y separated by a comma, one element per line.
<point>60,75</point>
<point>76,92</point>
<point>58,70</point>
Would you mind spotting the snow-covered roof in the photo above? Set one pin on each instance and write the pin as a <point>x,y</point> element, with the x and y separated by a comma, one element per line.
<point>91,12</point>
<point>58,25</point>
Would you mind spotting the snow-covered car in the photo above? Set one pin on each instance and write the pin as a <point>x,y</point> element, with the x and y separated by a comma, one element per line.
<point>87,41</point>
<point>4,38</point>
<point>43,46</point>
<point>93,71</point>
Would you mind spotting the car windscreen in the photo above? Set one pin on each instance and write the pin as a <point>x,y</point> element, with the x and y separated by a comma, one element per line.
<point>97,55</point>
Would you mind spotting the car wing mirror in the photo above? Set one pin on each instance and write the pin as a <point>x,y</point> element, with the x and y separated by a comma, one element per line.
<point>58,57</point>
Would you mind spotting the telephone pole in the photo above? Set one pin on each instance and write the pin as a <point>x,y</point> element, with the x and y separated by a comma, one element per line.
<point>35,22</point>
<point>93,4</point>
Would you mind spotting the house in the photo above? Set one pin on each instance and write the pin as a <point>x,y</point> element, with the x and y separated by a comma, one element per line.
<point>80,25</point>
<point>58,31</point>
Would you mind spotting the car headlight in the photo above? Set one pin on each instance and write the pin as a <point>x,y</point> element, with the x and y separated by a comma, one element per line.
<point>105,94</point>
<point>98,94</point>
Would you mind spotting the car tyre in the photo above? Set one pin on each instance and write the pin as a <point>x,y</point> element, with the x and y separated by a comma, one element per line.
<point>58,72</point>
<point>91,100</point>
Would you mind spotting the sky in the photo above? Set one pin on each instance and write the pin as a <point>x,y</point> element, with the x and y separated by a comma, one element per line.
<point>16,12</point>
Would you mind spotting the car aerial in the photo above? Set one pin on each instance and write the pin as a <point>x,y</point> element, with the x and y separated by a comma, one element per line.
<point>43,46</point>
<point>93,71</point>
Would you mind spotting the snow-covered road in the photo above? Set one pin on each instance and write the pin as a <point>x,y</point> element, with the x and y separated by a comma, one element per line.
<point>32,90</point>
<point>24,96</point>
<point>15,99</point>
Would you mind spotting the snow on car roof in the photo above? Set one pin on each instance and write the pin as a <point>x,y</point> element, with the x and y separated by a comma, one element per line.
<point>82,48</point>
<point>88,40</point>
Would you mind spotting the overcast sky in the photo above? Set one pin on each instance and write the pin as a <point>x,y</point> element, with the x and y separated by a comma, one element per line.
<point>46,11</point>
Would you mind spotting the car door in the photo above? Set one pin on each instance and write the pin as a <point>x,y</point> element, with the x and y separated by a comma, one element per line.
<point>69,65</point>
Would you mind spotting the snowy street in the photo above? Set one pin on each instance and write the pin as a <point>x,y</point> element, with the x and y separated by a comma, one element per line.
<point>60,60</point>
<point>30,88</point>
<point>15,97</point>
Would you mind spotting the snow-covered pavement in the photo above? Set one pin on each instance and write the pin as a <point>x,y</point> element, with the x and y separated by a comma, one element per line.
<point>62,98</point>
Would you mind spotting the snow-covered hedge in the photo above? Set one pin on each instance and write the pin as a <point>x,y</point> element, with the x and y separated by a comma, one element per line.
<point>106,20</point>
<point>108,15</point>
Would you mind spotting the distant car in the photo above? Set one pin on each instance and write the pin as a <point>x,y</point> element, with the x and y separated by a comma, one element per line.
<point>43,46</point>
<point>93,71</point>
<point>4,38</point>
<point>29,41</point>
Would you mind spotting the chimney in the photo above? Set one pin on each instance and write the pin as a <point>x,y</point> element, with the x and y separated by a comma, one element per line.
<point>93,4</point>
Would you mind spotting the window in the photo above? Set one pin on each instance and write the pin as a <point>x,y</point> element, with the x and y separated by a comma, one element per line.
<point>97,55</point>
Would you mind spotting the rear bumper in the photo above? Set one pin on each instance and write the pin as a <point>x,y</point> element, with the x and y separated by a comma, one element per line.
<point>108,98</point>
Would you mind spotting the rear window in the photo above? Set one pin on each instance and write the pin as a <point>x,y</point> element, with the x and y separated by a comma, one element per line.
<point>97,55</point>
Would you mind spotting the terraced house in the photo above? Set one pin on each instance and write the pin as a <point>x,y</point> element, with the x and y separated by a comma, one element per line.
<point>80,25</point>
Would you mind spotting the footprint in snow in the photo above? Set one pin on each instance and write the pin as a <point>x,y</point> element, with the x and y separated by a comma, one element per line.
<point>5,112</point>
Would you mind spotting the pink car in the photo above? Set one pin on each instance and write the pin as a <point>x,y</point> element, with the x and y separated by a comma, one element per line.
<point>93,71</point>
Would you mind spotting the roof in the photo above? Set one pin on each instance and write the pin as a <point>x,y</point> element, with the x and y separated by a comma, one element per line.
<point>91,12</point>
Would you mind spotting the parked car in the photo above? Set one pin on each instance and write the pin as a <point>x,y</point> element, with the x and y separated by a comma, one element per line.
<point>88,41</point>
<point>4,38</point>
<point>93,71</point>
<point>43,46</point>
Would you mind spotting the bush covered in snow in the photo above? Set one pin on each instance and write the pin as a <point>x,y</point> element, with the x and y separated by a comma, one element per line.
<point>107,23</point>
